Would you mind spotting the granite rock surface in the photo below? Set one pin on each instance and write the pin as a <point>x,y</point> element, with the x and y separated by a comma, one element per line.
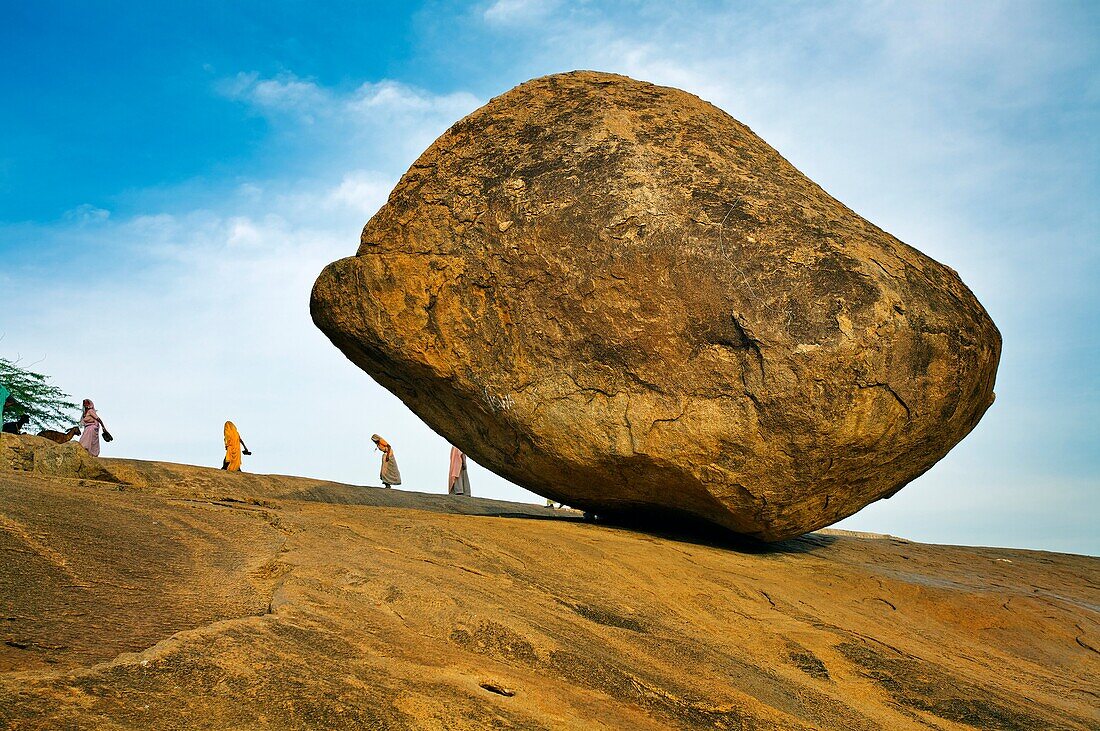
<point>180,597</point>
<point>616,295</point>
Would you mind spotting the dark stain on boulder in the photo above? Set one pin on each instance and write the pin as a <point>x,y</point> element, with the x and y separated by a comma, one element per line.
<point>607,618</point>
<point>809,663</point>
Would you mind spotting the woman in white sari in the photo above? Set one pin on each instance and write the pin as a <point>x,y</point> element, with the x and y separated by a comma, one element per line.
<point>389,473</point>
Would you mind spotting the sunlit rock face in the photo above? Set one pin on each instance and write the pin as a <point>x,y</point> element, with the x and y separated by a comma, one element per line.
<point>618,296</point>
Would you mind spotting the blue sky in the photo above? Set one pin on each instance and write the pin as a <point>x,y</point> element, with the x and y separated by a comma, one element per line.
<point>174,176</point>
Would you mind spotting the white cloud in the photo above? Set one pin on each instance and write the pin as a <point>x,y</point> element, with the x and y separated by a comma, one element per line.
<point>359,191</point>
<point>86,214</point>
<point>282,93</point>
<point>308,101</point>
<point>509,12</point>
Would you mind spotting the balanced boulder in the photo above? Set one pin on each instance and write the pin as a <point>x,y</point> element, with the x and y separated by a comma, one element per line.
<point>616,295</point>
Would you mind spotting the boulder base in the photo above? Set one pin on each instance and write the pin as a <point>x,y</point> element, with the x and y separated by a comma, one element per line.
<point>618,296</point>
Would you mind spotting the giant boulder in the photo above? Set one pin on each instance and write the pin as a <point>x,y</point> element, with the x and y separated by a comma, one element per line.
<point>618,296</point>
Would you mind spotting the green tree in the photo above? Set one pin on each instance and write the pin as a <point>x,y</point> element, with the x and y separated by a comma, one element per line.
<point>47,405</point>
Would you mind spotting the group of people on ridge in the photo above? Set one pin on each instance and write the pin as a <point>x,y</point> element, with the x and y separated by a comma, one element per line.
<point>91,428</point>
<point>458,476</point>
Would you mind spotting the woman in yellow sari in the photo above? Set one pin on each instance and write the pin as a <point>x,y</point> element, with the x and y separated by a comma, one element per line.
<point>233,445</point>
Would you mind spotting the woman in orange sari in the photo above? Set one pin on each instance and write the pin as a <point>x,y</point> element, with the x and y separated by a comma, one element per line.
<point>389,474</point>
<point>233,445</point>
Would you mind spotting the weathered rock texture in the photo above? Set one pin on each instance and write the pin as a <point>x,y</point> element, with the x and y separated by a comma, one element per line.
<point>192,598</point>
<point>618,296</point>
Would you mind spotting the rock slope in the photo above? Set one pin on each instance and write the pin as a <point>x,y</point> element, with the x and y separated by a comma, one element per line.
<point>174,597</point>
<point>618,296</point>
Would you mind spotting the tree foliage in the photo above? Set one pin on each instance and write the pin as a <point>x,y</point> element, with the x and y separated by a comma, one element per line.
<point>47,406</point>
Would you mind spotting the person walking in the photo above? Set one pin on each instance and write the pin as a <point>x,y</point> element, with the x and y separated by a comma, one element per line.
<point>92,426</point>
<point>233,448</point>
<point>389,473</point>
<point>458,478</point>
